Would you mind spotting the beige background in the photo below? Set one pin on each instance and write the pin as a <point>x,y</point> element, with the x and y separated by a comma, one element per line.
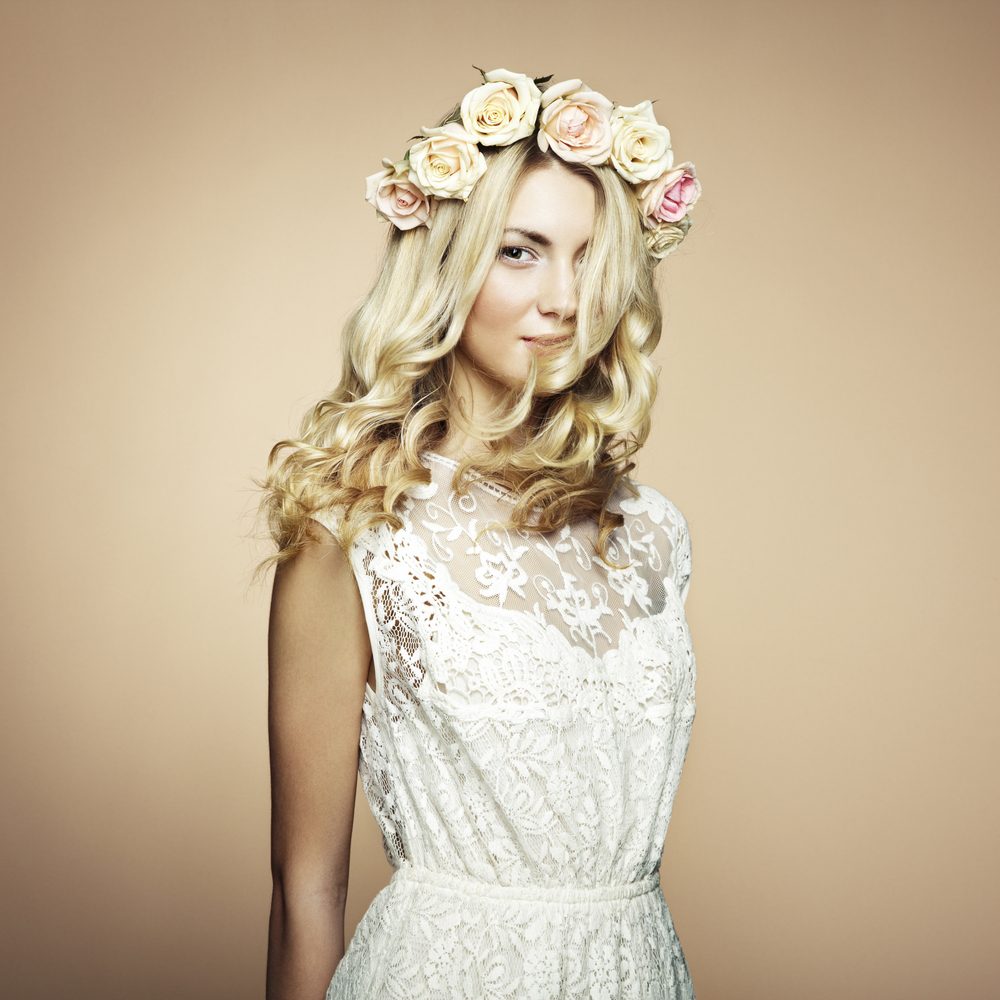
<point>184,233</point>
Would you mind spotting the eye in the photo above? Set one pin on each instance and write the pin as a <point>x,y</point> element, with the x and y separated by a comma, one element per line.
<point>523,251</point>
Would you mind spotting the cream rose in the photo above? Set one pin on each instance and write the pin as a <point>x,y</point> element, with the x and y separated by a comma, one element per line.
<point>503,110</point>
<point>447,163</point>
<point>575,123</point>
<point>640,146</point>
<point>664,239</point>
<point>397,198</point>
<point>670,197</point>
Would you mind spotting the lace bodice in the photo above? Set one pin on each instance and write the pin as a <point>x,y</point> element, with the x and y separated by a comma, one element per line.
<point>530,719</point>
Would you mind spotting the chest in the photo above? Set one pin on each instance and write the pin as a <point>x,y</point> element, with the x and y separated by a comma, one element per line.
<point>507,624</point>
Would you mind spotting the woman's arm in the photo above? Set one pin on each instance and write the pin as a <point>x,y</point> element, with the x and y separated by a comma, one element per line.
<point>318,658</point>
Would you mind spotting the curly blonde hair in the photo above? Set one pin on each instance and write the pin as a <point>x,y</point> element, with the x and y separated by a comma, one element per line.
<point>582,413</point>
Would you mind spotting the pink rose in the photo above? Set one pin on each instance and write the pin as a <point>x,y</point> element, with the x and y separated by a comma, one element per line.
<point>396,198</point>
<point>575,123</point>
<point>670,197</point>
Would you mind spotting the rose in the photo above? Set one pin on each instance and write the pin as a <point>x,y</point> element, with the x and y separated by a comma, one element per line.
<point>503,109</point>
<point>666,237</point>
<point>397,198</point>
<point>670,197</point>
<point>575,123</point>
<point>640,146</point>
<point>447,163</point>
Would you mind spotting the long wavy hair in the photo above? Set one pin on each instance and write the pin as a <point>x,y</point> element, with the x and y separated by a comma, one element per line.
<point>563,441</point>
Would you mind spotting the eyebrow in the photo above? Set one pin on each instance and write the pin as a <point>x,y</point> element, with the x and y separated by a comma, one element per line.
<point>540,238</point>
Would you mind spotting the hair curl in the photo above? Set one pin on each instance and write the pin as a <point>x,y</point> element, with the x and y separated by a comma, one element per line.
<point>581,414</point>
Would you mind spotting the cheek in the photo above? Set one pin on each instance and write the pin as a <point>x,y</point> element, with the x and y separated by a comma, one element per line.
<point>501,302</point>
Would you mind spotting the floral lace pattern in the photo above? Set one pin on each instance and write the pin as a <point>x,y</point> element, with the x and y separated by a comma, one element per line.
<point>521,749</point>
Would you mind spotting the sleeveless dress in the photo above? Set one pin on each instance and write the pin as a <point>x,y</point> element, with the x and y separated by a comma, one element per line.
<point>521,749</point>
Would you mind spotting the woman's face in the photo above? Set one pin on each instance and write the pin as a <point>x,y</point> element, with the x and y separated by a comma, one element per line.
<point>527,299</point>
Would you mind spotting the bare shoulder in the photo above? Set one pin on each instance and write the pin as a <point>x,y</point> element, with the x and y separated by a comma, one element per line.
<point>315,600</point>
<point>317,575</point>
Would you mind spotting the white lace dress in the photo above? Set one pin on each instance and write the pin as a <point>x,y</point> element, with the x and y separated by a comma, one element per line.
<point>521,750</point>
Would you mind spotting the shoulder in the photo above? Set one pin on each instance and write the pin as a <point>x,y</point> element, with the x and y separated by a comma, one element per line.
<point>330,518</point>
<point>317,577</point>
<point>635,498</point>
<point>656,508</point>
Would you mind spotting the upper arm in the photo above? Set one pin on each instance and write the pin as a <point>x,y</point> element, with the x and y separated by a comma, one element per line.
<point>318,657</point>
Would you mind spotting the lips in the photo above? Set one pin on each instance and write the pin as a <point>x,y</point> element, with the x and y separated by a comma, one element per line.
<point>549,339</point>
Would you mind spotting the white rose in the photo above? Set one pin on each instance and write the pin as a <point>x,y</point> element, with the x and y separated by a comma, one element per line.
<point>503,109</point>
<point>640,146</point>
<point>447,163</point>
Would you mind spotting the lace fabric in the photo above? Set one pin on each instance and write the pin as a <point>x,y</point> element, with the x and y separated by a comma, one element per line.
<point>521,749</point>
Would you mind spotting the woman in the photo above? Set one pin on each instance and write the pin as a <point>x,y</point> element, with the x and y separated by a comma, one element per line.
<point>474,606</point>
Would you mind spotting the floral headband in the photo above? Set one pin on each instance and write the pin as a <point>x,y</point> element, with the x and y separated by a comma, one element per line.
<point>577,124</point>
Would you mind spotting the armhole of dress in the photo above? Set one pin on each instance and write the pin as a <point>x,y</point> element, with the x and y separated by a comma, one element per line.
<point>364,586</point>
<point>331,521</point>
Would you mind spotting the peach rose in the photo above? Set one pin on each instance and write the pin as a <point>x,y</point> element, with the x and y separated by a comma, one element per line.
<point>640,146</point>
<point>397,198</point>
<point>447,163</point>
<point>575,123</point>
<point>503,109</point>
<point>670,197</point>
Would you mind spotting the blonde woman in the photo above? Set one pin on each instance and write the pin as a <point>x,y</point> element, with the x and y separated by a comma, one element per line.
<point>475,607</point>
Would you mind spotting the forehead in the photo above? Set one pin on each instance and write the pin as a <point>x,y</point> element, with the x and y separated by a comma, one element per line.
<point>554,201</point>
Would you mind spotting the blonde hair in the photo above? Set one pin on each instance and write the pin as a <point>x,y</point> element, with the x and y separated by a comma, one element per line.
<point>582,413</point>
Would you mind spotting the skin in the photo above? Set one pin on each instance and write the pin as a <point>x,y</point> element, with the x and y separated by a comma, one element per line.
<point>318,666</point>
<point>528,291</point>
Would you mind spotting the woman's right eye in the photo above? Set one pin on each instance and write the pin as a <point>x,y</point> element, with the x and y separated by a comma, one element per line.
<point>520,250</point>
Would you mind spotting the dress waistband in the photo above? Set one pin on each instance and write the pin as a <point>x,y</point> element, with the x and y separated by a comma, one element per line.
<point>470,886</point>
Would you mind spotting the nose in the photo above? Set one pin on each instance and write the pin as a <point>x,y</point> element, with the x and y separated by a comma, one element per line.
<point>557,294</point>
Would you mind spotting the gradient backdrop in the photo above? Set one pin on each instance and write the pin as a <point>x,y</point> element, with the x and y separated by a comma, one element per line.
<point>184,233</point>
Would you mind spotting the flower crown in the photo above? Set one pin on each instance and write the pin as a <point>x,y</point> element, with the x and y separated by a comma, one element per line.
<point>577,124</point>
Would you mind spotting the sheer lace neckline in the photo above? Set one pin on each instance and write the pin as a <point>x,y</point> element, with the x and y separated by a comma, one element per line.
<point>441,458</point>
<point>505,494</point>
<point>487,484</point>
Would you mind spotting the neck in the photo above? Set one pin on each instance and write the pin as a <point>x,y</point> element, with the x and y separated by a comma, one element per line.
<point>479,396</point>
